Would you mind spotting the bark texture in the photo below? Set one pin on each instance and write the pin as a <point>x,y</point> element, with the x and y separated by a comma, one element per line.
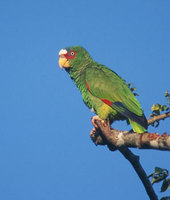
<point>103,134</point>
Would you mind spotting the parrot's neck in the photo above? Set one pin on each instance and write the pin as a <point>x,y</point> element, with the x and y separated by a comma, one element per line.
<point>77,74</point>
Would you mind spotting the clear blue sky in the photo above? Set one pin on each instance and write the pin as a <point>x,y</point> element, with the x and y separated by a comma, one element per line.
<point>45,149</point>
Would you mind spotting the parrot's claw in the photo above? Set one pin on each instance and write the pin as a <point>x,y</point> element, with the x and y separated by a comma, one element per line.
<point>96,137</point>
<point>92,132</point>
<point>93,120</point>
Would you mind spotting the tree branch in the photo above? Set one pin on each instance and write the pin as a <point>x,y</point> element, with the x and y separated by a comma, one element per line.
<point>134,160</point>
<point>103,134</point>
<point>116,139</point>
<point>158,118</point>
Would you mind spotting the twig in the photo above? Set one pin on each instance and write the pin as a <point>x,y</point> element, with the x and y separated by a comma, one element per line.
<point>158,118</point>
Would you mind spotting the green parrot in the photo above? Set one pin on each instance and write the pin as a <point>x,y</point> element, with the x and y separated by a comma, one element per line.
<point>103,91</point>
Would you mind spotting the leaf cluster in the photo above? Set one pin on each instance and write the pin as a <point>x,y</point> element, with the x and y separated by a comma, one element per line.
<point>157,109</point>
<point>167,95</point>
<point>160,175</point>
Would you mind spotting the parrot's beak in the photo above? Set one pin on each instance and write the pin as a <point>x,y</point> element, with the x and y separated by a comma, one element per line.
<point>63,62</point>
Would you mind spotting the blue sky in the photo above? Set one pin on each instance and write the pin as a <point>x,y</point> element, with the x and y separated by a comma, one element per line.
<point>45,149</point>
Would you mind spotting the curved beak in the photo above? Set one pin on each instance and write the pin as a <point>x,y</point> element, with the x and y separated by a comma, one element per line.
<point>63,62</point>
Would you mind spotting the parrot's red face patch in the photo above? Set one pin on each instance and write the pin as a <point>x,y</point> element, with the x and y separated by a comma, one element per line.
<point>70,55</point>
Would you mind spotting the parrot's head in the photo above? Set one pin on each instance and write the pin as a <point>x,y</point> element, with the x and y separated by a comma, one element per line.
<point>73,57</point>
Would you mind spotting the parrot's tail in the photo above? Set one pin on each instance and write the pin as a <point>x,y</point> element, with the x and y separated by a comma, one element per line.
<point>138,123</point>
<point>137,127</point>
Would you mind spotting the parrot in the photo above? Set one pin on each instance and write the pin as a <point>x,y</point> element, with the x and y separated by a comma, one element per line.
<point>103,90</point>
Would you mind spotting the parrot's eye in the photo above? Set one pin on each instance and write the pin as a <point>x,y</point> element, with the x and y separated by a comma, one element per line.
<point>71,53</point>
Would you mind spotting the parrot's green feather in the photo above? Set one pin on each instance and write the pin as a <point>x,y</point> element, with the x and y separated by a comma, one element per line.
<point>105,84</point>
<point>137,127</point>
<point>98,83</point>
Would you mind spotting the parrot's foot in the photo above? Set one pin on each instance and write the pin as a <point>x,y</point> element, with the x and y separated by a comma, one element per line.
<point>96,137</point>
<point>104,122</point>
<point>93,120</point>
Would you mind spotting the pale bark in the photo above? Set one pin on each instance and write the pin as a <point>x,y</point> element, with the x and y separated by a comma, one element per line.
<point>103,134</point>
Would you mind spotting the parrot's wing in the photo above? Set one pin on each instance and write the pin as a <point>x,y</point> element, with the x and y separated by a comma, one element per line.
<point>106,85</point>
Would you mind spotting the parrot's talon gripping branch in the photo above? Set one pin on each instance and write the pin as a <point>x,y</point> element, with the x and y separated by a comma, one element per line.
<point>96,137</point>
<point>95,118</point>
<point>114,139</point>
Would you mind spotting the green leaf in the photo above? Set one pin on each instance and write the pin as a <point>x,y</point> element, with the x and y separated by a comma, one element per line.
<point>165,185</point>
<point>155,107</point>
<point>158,175</point>
<point>160,170</point>
<point>157,179</point>
<point>167,94</point>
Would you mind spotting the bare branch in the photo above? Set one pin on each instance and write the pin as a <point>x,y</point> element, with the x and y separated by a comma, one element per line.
<point>158,118</point>
<point>105,135</point>
<point>134,160</point>
<point>116,139</point>
<point>121,140</point>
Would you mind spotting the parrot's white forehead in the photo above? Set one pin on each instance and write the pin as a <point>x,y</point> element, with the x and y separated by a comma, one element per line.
<point>62,52</point>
